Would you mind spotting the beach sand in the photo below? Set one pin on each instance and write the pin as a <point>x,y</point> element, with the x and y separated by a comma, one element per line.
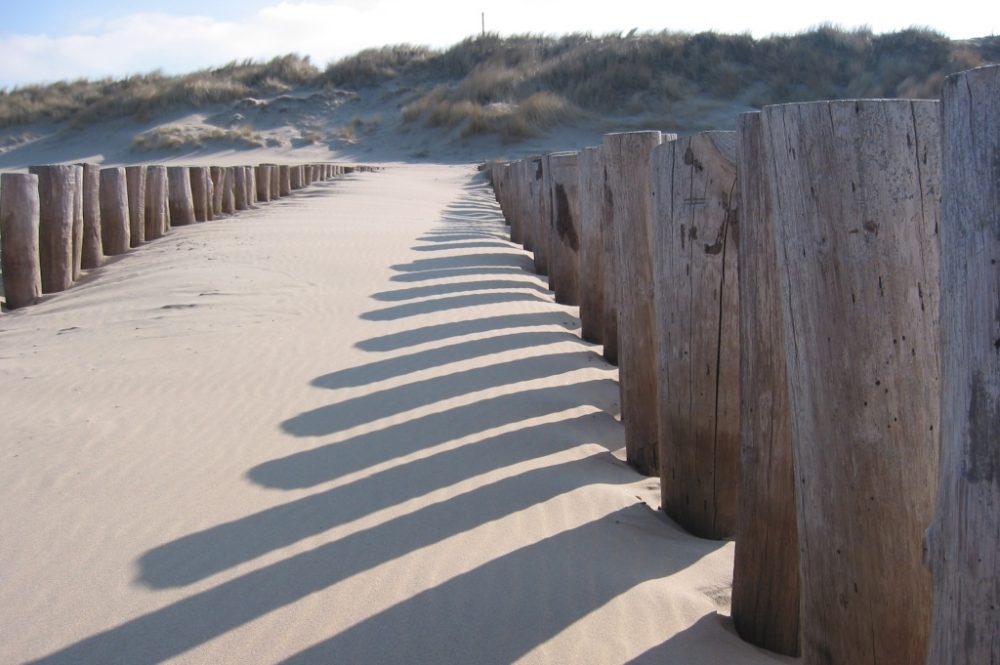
<point>348,427</point>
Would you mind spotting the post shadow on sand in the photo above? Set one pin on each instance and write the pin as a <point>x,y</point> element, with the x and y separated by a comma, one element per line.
<point>443,247</point>
<point>206,553</point>
<point>638,555</point>
<point>398,295</point>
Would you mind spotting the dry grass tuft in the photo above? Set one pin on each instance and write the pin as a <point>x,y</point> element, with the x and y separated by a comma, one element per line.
<point>177,137</point>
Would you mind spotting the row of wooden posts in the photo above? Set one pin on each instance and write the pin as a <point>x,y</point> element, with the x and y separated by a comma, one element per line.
<point>805,314</point>
<point>58,220</point>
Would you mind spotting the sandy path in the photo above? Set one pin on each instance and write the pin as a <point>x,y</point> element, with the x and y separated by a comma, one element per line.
<point>348,428</point>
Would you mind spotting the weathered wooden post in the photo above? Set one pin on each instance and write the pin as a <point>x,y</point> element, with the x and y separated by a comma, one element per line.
<point>93,246</point>
<point>964,541</point>
<point>695,235</point>
<point>240,188</point>
<point>229,191</point>
<point>115,226</point>
<point>251,183</point>
<point>627,164</point>
<point>263,177</point>
<point>564,227</point>
<point>285,180</point>
<point>766,587</point>
<point>541,203</point>
<point>275,185</point>
<point>295,176</point>
<point>218,190</point>
<point>19,221</point>
<point>854,189</point>
<point>157,202</point>
<point>591,273</point>
<point>56,201</point>
<point>200,177</point>
<point>518,228</point>
<point>77,222</point>
<point>609,267</point>
<point>135,182</point>
<point>180,196</point>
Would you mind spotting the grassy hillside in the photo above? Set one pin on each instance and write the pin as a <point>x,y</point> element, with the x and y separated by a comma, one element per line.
<point>517,87</point>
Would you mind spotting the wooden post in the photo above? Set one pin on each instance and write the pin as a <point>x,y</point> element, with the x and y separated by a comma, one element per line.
<point>627,162</point>
<point>200,177</point>
<point>19,224</point>
<point>766,587</point>
<point>93,246</point>
<point>564,227</point>
<point>275,181</point>
<point>229,191</point>
<point>115,226</point>
<point>218,190</point>
<point>240,188</point>
<point>135,182</point>
<point>263,177</point>
<point>285,180</point>
<point>591,273</point>
<point>56,199</point>
<point>695,236</point>
<point>541,203</point>
<point>181,197</point>
<point>854,187</point>
<point>157,202</point>
<point>251,184</point>
<point>609,266</point>
<point>964,541</point>
<point>77,222</point>
<point>519,195</point>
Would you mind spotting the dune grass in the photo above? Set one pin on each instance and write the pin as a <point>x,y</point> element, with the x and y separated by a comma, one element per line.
<point>176,137</point>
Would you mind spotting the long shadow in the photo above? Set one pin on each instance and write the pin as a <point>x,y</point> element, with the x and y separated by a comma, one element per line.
<point>471,271</point>
<point>398,366</point>
<point>194,620</point>
<point>415,292</point>
<point>477,260</point>
<point>443,247</point>
<point>311,467</point>
<point>498,612</point>
<point>448,303</point>
<point>442,331</point>
<point>708,642</point>
<point>200,555</point>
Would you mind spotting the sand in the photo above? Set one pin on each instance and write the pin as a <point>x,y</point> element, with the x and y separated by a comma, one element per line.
<point>348,427</point>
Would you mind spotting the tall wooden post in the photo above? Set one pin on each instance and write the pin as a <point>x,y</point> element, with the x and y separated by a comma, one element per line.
<point>93,246</point>
<point>542,200</point>
<point>181,197</point>
<point>200,177</point>
<point>766,586</point>
<point>56,198</point>
<point>77,222</point>
<point>964,541</point>
<point>627,163</point>
<point>591,273</point>
<point>135,181</point>
<point>564,227</point>
<point>157,203</point>
<point>854,187</point>
<point>695,236</point>
<point>609,266</point>
<point>19,220</point>
<point>115,226</point>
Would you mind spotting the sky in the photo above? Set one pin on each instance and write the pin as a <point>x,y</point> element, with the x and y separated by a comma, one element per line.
<point>50,40</point>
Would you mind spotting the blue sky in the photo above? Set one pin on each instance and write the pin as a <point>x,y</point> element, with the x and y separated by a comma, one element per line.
<point>48,40</point>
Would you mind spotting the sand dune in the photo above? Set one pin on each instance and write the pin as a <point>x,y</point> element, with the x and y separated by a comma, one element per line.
<point>351,427</point>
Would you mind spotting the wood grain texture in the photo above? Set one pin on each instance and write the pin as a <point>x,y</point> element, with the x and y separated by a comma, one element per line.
<point>591,260</point>
<point>855,192</point>
<point>240,186</point>
<point>19,258</point>
<point>157,202</point>
<point>695,234</point>
<point>180,196</point>
<point>115,227</point>
<point>229,190</point>
<point>200,177</point>
<point>629,178</point>
<point>542,198</point>
<point>263,179</point>
<point>56,199</point>
<point>564,228</point>
<point>609,265</point>
<point>766,586</point>
<point>77,222</point>
<point>964,541</point>
<point>135,181</point>
<point>92,253</point>
<point>284,180</point>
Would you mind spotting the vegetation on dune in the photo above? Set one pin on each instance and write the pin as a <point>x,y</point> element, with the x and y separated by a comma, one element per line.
<point>175,137</point>
<point>518,86</point>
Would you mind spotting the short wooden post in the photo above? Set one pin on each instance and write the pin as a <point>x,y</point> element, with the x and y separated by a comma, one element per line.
<point>766,586</point>
<point>275,176</point>
<point>157,202</point>
<point>627,162</point>
<point>93,245</point>
<point>135,181</point>
<point>609,267</point>
<point>295,176</point>
<point>591,273</point>
<point>180,195</point>
<point>263,177</point>
<point>854,187</point>
<point>56,199</point>
<point>284,180</point>
<point>251,183</point>
<point>229,191</point>
<point>218,190</point>
<point>240,188</point>
<point>77,223</point>
<point>964,541</point>
<point>694,236</point>
<point>19,225</point>
<point>115,226</point>
<point>564,228</point>
<point>200,177</point>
